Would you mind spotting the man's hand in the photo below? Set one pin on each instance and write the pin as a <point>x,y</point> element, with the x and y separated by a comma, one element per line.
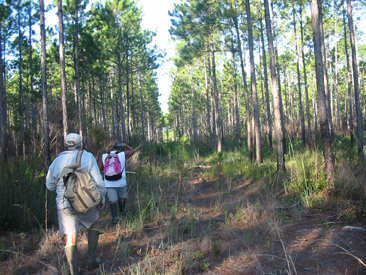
<point>100,206</point>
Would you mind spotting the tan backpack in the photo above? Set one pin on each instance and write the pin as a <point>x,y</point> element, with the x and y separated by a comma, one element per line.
<point>81,191</point>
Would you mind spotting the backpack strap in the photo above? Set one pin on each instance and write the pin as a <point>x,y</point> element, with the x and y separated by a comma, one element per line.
<point>64,172</point>
<point>78,157</point>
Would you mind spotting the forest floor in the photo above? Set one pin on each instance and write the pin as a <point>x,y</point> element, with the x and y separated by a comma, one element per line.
<point>236,231</point>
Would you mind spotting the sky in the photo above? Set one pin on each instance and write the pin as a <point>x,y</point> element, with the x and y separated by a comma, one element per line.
<point>155,18</point>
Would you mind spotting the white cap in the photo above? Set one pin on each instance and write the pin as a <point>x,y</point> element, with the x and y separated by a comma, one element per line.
<point>73,140</point>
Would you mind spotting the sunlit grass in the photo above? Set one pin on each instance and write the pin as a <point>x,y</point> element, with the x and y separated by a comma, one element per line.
<point>167,218</point>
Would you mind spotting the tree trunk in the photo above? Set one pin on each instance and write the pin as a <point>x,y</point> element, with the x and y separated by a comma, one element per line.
<point>128,96</point>
<point>305,75</point>
<point>255,106</point>
<point>3,107</point>
<point>142,110</point>
<point>21,97</point>
<point>236,100</point>
<point>277,105</point>
<point>62,70</point>
<point>113,107</point>
<point>268,108</point>
<point>34,112</point>
<point>244,76</point>
<point>121,99</point>
<point>195,139</point>
<point>76,62</point>
<point>274,40</point>
<point>46,129</point>
<point>349,81</point>
<point>213,122</point>
<point>336,65</point>
<point>208,106</point>
<point>356,86</point>
<point>323,118</point>
<point>326,79</point>
<point>102,98</point>
<point>216,92</point>
<point>301,108</point>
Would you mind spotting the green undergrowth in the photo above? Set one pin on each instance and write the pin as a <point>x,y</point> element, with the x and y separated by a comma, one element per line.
<point>170,217</point>
<point>163,167</point>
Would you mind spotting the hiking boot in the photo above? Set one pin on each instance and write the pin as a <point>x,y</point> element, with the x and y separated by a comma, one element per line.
<point>93,237</point>
<point>122,208</point>
<point>113,207</point>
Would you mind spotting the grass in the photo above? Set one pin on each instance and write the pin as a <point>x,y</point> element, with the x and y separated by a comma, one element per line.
<point>191,211</point>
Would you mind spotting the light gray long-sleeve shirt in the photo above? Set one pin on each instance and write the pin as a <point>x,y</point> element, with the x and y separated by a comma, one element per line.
<point>88,163</point>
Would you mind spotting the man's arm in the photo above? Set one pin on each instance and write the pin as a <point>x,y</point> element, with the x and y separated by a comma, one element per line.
<point>129,152</point>
<point>50,179</point>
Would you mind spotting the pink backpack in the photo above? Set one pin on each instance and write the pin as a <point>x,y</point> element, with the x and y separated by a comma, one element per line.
<point>112,167</point>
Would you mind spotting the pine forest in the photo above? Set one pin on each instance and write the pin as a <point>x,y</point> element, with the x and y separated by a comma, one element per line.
<point>265,117</point>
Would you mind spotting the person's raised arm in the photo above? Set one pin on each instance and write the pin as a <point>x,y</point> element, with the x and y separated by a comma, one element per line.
<point>129,152</point>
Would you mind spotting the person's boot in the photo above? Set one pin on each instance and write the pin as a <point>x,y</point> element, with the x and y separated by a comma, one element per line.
<point>113,207</point>
<point>93,237</point>
<point>72,258</point>
<point>122,207</point>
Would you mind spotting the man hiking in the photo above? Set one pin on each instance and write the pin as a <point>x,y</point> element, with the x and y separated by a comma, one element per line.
<point>70,221</point>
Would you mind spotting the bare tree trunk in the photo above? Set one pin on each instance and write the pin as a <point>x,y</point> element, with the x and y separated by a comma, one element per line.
<point>142,110</point>
<point>326,81</point>
<point>102,98</point>
<point>275,48</point>
<point>277,105</point>
<point>34,112</point>
<point>301,108</point>
<point>255,106</point>
<point>305,75</point>
<point>46,129</point>
<point>244,76</point>
<point>21,97</point>
<point>114,131</point>
<point>195,139</point>
<point>76,62</point>
<point>62,70</point>
<point>268,108</point>
<point>3,112</point>
<point>323,118</point>
<point>208,106</point>
<point>133,107</point>
<point>236,100</point>
<point>128,97</point>
<point>356,86</point>
<point>217,113</point>
<point>336,65</point>
<point>349,81</point>
<point>121,98</point>
<point>183,112</point>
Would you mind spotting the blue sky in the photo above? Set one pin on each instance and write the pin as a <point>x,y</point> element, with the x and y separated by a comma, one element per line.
<point>156,18</point>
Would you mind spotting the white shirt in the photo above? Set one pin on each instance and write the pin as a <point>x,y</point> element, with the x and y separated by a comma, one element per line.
<point>122,181</point>
<point>88,163</point>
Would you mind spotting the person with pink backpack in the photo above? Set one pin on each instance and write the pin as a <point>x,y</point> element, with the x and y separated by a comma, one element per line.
<point>113,166</point>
